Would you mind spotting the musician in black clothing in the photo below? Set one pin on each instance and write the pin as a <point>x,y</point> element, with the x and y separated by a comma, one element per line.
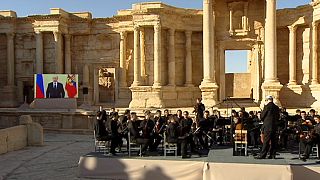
<point>270,116</point>
<point>115,135</point>
<point>204,125</point>
<point>100,128</point>
<point>158,129</point>
<point>172,131</point>
<point>309,136</point>
<point>146,126</point>
<point>199,109</point>
<point>133,126</point>
<point>123,126</point>
<point>179,116</point>
<point>186,137</point>
<point>283,128</point>
<point>166,116</point>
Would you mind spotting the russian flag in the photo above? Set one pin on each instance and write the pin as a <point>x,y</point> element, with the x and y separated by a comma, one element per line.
<point>39,86</point>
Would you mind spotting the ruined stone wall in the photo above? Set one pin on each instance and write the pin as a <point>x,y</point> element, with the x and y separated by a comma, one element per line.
<point>49,53</point>
<point>25,54</point>
<point>283,55</point>
<point>197,58</point>
<point>149,46</point>
<point>180,41</point>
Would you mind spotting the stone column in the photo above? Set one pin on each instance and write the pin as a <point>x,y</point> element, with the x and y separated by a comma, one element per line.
<point>245,17</point>
<point>231,20</point>
<point>123,55</point>
<point>39,52</point>
<point>68,62</point>
<point>292,55</point>
<point>314,80</point>
<point>10,59</point>
<point>58,52</point>
<point>188,58</point>
<point>157,55</point>
<point>142,53</point>
<point>271,85</point>
<point>172,58</point>
<point>208,42</point>
<point>136,62</point>
<point>271,43</point>
<point>208,87</point>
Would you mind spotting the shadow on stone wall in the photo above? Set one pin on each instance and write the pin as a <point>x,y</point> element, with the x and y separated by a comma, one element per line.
<point>290,98</point>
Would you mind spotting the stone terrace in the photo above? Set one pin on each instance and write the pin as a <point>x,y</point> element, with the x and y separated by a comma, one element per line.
<point>57,159</point>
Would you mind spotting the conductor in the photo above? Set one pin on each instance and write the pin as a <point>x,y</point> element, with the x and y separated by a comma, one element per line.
<point>270,115</point>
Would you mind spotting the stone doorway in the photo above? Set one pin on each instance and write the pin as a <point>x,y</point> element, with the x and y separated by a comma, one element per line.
<point>28,92</point>
<point>237,74</point>
<point>244,84</point>
<point>105,86</point>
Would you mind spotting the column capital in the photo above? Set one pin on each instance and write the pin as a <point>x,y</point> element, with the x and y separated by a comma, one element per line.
<point>292,28</point>
<point>136,27</point>
<point>56,35</point>
<point>208,1</point>
<point>38,32</point>
<point>157,26</point>
<point>315,24</point>
<point>10,35</point>
<point>67,36</point>
<point>172,31</point>
<point>188,33</point>
<point>123,35</point>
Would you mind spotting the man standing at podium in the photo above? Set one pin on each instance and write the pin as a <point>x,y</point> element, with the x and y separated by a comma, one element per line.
<point>55,89</point>
<point>270,115</point>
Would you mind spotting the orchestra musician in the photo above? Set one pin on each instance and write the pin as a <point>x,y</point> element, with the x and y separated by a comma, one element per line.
<point>172,133</point>
<point>115,135</point>
<point>146,126</point>
<point>100,128</point>
<point>199,109</point>
<point>309,136</point>
<point>186,136</point>
<point>204,125</point>
<point>160,124</point>
<point>166,116</point>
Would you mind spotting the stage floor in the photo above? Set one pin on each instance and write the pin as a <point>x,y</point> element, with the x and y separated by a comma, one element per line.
<point>223,154</point>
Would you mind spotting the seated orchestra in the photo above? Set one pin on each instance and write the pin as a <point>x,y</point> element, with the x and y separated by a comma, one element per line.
<point>208,129</point>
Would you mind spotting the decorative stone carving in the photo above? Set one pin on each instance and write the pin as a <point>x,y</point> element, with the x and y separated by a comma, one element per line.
<point>105,78</point>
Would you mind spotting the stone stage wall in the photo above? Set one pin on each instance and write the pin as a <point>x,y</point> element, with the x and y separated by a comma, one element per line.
<point>80,122</point>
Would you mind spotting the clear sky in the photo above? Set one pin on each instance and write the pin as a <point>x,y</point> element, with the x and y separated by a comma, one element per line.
<point>235,61</point>
<point>103,8</point>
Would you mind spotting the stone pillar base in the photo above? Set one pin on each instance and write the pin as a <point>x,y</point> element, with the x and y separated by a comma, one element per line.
<point>209,93</point>
<point>146,97</point>
<point>124,97</point>
<point>272,89</point>
<point>315,90</point>
<point>9,98</point>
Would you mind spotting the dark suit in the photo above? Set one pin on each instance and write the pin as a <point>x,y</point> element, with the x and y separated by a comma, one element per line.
<point>270,116</point>
<point>55,92</point>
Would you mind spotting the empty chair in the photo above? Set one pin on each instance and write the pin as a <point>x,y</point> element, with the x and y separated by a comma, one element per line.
<point>241,141</point>
<point>100,146</point>
<point>133,145</point>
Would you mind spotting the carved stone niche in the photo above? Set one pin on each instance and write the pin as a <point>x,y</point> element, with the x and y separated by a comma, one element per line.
<point>238,17</point>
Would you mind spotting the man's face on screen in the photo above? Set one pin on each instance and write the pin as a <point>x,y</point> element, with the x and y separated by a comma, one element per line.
<point>55,79</point>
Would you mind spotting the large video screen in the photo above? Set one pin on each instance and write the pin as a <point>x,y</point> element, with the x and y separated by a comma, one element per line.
<point>56,86</point>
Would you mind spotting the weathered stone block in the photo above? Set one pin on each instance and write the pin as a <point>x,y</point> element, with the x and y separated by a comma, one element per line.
<point>3,141</point>
<point>17,137</point>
